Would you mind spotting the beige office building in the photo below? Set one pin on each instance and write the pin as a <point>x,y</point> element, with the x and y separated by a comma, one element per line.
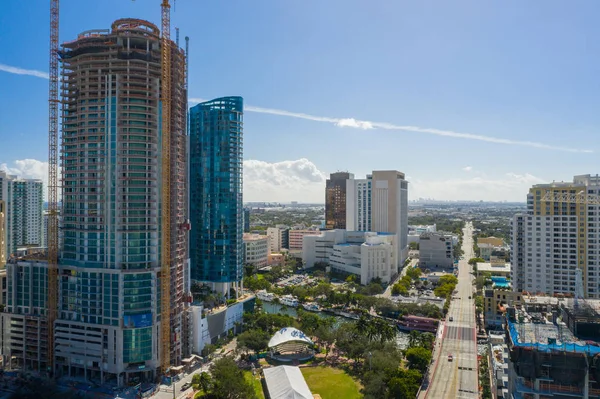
<point>558,238</point>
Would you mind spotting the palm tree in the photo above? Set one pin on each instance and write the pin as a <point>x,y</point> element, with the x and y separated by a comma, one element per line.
<point>414,339</point>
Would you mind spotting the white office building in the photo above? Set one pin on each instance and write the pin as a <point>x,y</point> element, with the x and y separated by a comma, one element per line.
<point>557,237</point>
<point>380,203</point>
<point>256,250</point>
<point>278,238</point>
<point>368,255</point>
<point>23,223</point>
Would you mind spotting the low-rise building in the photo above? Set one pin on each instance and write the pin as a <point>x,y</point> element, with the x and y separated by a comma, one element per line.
<point>436,250</point>
<point>493,241</point>
<point>486,250</point>
<point>496,268</point>
<point>368,255</point>
<point>495,303</point>
<point>207,326</point>
<point>276,260</point>
<point>296,238</point>
<point>256,250</point>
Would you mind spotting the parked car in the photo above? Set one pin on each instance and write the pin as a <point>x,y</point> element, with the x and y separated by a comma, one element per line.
<point>450,358</point>
<point>186,386</point>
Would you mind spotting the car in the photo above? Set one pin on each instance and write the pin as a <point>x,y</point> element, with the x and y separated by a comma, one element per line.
<point>450,357</point>
<point>186,386</point>
<point>451,318</point>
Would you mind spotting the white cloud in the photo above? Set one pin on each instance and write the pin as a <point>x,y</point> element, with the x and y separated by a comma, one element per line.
<point>467,168</point>
<point>21,71</point>
<point>351,122</point>
<point>509,187</point>
<point>355,123</point>
<point>29,169</point>
<point>284,181</point>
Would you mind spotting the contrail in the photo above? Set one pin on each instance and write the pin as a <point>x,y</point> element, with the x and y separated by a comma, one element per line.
<point>21,71</point>
<point>366,125</point>
<point>354,123</point>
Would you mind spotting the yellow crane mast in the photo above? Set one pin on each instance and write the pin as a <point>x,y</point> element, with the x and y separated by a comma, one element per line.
<point>53,102</point>
<point>165,275</point>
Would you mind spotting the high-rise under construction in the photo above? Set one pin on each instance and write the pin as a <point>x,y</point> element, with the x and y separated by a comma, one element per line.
<point>109,307</point>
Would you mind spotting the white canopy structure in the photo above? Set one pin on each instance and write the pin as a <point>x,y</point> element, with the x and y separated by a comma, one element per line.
<point>289,334</point>
<point>290,344</point>
<point>286,382</point>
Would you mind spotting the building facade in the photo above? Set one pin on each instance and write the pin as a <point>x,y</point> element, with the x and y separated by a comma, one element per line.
<point>256,250</point>
<point>335,200</point>
<point>380,203</point>
<point>246,220</point>
<point>216,206</point>
<point>2,234</point>
<point>24,206</point>
<point>279,238</point>
<point>358,204</point>
<point>296,238</point>
<point>368,255</point>
<point>108,324</point>
<point>558,237</point>
<point>435,251</point>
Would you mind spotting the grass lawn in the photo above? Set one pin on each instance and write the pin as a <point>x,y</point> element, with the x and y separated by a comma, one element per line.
<point>256,383</point>
<point>331,383</point>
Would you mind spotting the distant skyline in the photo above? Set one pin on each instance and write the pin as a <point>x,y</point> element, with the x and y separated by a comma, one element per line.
<point>471,101</point>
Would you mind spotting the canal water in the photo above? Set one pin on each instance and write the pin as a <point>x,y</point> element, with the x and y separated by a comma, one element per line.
<point>271,307</point>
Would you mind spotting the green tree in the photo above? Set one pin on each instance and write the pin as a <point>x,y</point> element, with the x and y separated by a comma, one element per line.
<point>448,279</point>
<point>254,340</point>
<point>326,336</point>
<point>418,358</point>
<point>229,382</point>
<point>204,381</point>
<point>208,349</point>
<point>413,245</point>
<point>475,261</point>
<point>414,273</point>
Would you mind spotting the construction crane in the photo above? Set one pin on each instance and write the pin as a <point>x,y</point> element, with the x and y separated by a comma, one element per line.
<point>580,198</point>
<point>165,275</point>
<point>53,182</point>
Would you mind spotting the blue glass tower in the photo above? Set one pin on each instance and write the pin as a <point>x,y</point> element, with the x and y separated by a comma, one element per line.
<point>216,206</point>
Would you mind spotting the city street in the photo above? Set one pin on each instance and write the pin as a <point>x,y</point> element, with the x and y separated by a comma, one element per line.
<point>457,378</point>
<point>388,291</point>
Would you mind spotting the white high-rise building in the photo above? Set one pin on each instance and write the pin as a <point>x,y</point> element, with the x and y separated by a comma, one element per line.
<point>23,224</point>
<point>557,239</point>
<point>380,203</point>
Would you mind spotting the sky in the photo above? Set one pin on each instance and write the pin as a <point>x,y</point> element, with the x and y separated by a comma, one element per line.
<point>471,100</point>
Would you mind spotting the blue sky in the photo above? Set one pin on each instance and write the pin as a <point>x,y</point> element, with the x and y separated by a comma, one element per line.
<point>383,85</point>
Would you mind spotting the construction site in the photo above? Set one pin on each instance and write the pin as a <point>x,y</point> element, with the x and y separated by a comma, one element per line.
<point>554,348</point>
<point>107,302</point>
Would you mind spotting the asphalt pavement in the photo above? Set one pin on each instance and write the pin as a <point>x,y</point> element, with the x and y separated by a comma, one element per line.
<point>457,378</point>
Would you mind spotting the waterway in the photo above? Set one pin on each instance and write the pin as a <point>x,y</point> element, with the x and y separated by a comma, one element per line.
<point>270,307</point>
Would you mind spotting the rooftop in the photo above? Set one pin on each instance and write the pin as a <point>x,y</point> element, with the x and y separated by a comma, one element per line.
<point>488,267</point>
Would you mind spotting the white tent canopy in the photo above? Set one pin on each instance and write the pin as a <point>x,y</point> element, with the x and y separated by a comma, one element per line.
<point>286,382</point>
<point>288,334</point>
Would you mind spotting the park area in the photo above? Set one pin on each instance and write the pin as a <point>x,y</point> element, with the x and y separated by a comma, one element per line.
<point>331,383</point>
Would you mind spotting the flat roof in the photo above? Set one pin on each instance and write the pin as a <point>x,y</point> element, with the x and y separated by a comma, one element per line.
<point>488,267</point>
